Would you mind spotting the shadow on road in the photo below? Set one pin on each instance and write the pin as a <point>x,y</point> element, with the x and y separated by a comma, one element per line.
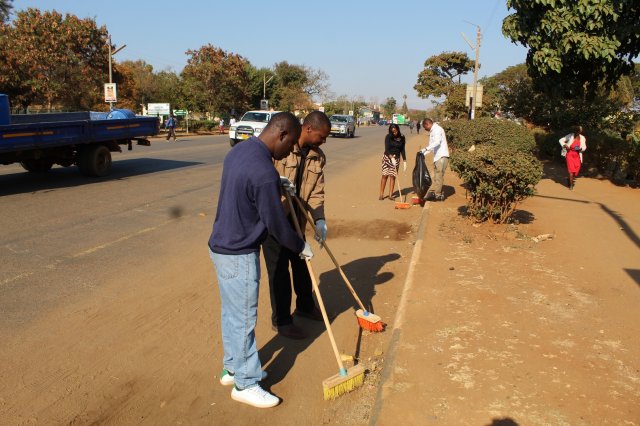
<point>64,177</point>
<point>634,274</point>
<point>364,274</point>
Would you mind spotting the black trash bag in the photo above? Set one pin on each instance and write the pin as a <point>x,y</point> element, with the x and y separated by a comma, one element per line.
<point>421,176</point>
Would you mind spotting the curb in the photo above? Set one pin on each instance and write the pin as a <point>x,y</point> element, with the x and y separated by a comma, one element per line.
<point>399,320</point>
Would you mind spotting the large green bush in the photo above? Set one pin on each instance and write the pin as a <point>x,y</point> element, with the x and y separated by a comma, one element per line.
<point>609,156</point>
<point>462,134</point>
<point>497,178</point>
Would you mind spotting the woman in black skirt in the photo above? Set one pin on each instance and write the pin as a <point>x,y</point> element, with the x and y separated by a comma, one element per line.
<point>393,149</point>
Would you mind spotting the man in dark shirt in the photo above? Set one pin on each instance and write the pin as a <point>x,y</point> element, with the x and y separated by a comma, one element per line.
<point>249,209</point>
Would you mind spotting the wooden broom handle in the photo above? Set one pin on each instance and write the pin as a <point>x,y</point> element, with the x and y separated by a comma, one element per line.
<point>315,287</point>
<point>335,262</point>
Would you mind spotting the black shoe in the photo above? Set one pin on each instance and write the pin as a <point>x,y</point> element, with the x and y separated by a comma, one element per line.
<point>431,196</point>
<point>314,315</point>
<point>290,331</point>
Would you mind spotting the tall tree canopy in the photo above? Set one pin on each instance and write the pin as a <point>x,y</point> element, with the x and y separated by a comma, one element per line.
<point>438,78</point>
<point>575,45</point>
<point>49,58</point>
<point>215,80</point>
<point>439,73</point>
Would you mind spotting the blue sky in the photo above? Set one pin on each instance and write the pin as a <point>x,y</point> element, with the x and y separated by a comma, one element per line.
<point>372,49</point>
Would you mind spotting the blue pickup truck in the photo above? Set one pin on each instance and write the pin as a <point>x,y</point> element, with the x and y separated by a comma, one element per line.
<point>85,139</point>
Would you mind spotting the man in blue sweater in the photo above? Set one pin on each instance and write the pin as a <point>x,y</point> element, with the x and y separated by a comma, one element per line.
<point>249,209</point>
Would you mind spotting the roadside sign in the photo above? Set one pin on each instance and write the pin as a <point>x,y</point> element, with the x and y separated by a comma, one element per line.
<point>180,112</point>
<point>158,109</point>
<point>110,94</point>
<point>478,101</point>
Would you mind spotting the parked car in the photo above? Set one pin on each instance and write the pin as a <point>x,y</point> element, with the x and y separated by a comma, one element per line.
<point>343,125</point>
<point>251,124</point>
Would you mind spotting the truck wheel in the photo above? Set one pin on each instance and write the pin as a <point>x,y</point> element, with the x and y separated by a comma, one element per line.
<point>37,166</point>
<point>95,161</point>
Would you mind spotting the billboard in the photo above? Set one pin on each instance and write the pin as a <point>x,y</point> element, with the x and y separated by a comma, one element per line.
<point>158,109</point>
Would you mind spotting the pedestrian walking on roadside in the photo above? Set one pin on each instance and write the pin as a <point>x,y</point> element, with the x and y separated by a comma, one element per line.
<point>221,126</point>
<point>438,145</point>
<point>170,126</point>
<point>573,145</point>
<point>305,168</point>
<point>411,126</point>
<point>394,148</point>
<point>249,208</point>
<point>418,127</point>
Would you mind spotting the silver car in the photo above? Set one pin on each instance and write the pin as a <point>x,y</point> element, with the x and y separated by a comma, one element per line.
<point>343,125</point>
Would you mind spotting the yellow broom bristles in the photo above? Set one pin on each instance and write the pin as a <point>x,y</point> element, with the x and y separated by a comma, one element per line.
<point>338,385</point>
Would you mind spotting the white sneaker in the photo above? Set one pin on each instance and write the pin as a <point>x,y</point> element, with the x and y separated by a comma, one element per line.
<point>226,378</point>
<point>255,396</point>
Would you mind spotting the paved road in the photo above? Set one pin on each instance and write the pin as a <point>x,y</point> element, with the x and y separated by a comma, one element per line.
<point>108,312</point>
<point>52,224</point>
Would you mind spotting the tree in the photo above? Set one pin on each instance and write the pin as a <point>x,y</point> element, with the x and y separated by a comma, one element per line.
<point>389,107</point>
<point>404,110</point>
<point>438,78</point>
<point>50,59</point>
<point>513,92</point>
<point>216,81</point>
<point>575,46</point>
<point>5,10</point>
<point>295,86</point>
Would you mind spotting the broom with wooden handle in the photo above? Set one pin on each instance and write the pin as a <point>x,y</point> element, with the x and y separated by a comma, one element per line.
<point>347,379</point>
<point>366,319</point>
<point>401,204</point>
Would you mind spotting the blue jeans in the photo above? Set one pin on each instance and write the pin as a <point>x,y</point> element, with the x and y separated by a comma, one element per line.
<point>238,281</point>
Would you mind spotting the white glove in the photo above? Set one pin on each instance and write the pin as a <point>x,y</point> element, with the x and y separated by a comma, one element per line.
<point>288,185</point>
<point>321,231</point>
<point>404,166</point>
<point>306,253</point>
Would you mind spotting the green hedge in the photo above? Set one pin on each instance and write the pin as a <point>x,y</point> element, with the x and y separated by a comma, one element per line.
<point>609,156</point>
<point>462,134</point>
<point>497,178</point>
<point>202,125</point>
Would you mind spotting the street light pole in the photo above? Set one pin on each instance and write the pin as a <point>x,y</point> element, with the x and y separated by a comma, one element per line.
<point>110,65</point>
<point>474,93</point>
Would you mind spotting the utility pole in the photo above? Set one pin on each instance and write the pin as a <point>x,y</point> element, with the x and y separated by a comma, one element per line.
<point>110,67</point>
<point>472,101</point>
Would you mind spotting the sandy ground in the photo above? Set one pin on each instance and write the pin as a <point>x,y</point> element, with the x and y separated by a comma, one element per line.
<point>498,328</point>
<point>504,328</point>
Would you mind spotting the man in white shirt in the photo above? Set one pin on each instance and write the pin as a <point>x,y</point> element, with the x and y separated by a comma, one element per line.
<point>437,145</point>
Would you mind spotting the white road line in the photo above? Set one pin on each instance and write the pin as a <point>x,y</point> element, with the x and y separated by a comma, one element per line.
<point>17,277</point>
<point>119,240</point>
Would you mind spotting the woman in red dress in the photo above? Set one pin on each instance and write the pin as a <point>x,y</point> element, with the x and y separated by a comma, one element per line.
<point>573,145</point>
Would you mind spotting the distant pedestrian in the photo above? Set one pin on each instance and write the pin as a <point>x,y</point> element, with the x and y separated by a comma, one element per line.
<point>411,126</point>
<point>438,145</point>
<point>232,121</point>
<point>221,128</point>
<point>573,145</point>
<point>170,126</point>
<point>394,148</point>
<point>417,127</point>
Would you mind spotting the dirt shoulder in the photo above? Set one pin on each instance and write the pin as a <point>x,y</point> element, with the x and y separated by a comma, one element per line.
<point>501,328</point>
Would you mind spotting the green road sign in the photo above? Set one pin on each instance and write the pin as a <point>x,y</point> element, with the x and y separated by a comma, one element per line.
<point>180,112</point>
